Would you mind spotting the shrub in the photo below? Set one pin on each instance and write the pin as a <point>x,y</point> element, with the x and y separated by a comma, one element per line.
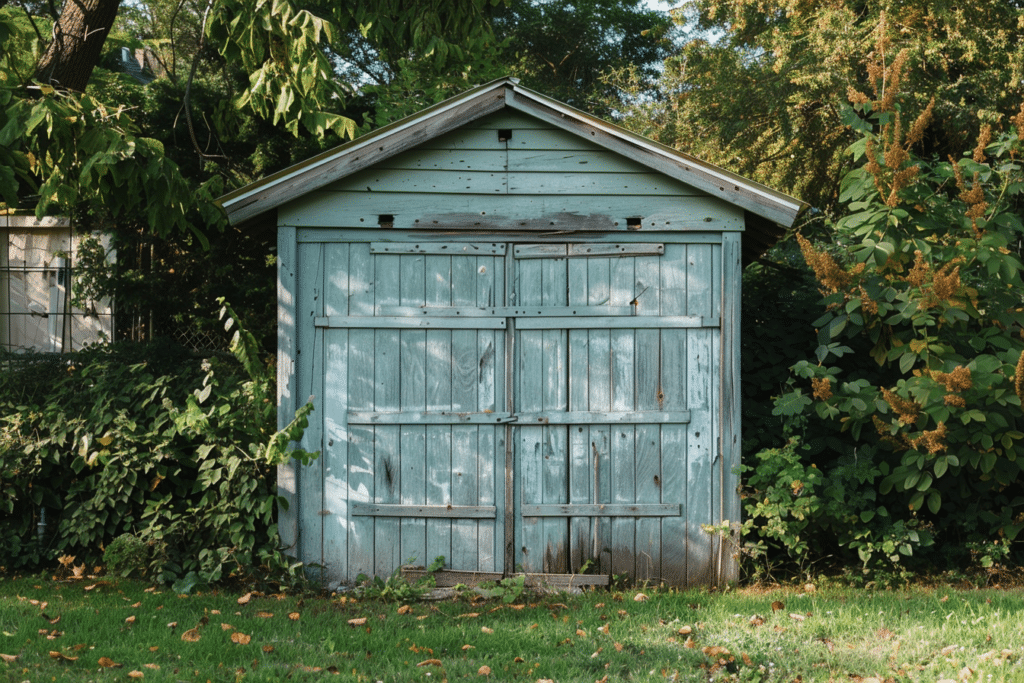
<point>118,440</point>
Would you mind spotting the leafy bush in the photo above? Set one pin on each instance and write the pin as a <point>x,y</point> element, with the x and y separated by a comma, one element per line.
<point>117,440</point>
<point>911,403</point>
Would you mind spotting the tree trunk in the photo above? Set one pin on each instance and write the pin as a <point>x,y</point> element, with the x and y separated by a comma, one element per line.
<point>77,43</point>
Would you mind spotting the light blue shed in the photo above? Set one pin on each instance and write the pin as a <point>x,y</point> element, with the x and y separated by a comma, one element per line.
<point>520,324</point>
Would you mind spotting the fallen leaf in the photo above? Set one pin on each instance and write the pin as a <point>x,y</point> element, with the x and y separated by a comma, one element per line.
<point>685,631</point>
<point>639,597</point>
<point>191,635</point>
<point>226,627</point>
<point>484,670</point>
<point>810,588</point>
<point>264,615</point>
<point>154,648</point>
<point>8,658</point>
<point>965,673</point>
<point>716,651</point>
<point>798,617</point>
<point>468,615</point>
<point>136,605</point>
<point>155,667</point>
<point>580,632</point>
<point>776,606</point>
<point>756,620</point>
<point>404,609</point>
<point>240,638</point>
<point>361,621</point>
<point>605,629</point>
<point>545,680</point>
<point>488,631</point>
<point>135,674</point>
<point>151,589</point>
<point>268,648</point>
<point>430,662</point>
<point>618,647</point>
<point>245,599</point>
<point>130,620</point>
<point>108,663</point>
<point>746,659</point>
<point>215,611</point>
<point>172,624</point>
<point>467,646</point>
<point>294,616</point>
<point>518,660</point>
<point>62,657</point>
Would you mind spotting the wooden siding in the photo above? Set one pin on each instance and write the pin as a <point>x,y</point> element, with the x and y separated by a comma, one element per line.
<point>542,178</point>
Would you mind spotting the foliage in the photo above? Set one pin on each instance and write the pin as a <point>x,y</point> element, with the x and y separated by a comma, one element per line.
<point>397,588</point>
<point>104,444</point>
<point>758,85</point>
<point>125,555</point>
<point>922,284</point>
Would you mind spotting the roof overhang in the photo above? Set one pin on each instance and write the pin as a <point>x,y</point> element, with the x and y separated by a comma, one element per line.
<point>757,200</point>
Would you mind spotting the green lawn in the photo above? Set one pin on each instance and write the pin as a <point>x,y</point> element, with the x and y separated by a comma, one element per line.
<point>67,631</point>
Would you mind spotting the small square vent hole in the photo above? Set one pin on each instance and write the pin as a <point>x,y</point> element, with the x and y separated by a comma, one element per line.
<point>633,223</point>
<point>386,220</point>
<point>504,135</point>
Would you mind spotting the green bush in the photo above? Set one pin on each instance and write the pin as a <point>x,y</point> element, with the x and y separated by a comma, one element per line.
<point>119,440</point>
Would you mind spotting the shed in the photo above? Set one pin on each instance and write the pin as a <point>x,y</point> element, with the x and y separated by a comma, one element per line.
<point>520,324</point>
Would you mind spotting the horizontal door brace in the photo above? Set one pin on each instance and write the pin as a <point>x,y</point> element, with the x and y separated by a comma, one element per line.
<point>599,510</point>
<point>505,311</point>
<point>548,417</point>
<point>594,250</point>
<point>421,322</point>
<point>441,248</point>
<point>631,322</point>
<point>448,511</point>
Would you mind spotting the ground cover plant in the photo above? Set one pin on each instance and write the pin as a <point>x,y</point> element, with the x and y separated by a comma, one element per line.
<point>96,628</point>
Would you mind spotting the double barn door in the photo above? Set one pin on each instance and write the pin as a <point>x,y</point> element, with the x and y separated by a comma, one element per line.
<point>535,407</point>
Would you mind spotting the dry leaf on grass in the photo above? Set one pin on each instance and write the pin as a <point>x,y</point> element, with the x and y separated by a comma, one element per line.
<point>430,662</point>
<point>618,647</point>
<point>154,648</point>
<point>605,629</point>
<point>268,649</point>
<point>776,606</point>
<point>468,615</point>
<point>62,657</point>
<point>756,620</point>
<point>685,631</point>
<point>240,638</point>
<point>405,609</point>
<point>716,651</point>
<point>580,632</point>
<point>226,627</point>
<point>798,617</point>
<point>108,663</point>
<point>155,667</point>
<point>488,631</point>
<point>468,647</point>
<point>264,615</point>
<point>130,620</point>
<point>518,660</point>
<point>361,621</point>
<point>294,616</point>
<point>191,635</point>
<point>639,597</point>
<point>948,650</point>
<point>484,670</point>
<point>135,674</point>
<point>9,658</point>
<point>245,599</point>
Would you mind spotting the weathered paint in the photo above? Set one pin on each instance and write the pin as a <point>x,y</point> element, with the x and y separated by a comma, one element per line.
<point>511,372</point>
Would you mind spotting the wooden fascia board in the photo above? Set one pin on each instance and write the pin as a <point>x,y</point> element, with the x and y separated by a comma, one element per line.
<point>717,182</point>
<point>361,153</point>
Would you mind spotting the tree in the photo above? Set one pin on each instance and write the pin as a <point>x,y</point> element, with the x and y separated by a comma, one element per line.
<point>78,38</point>
<point>758,86</point>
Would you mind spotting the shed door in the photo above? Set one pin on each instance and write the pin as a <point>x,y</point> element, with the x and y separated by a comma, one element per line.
<point>538,405</point>
<point>602,408</point>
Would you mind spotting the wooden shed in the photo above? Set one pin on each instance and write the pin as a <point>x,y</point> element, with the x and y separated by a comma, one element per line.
<point>520,326</point>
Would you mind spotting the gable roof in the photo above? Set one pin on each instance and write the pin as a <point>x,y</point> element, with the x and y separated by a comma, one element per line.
<point>769,213</point>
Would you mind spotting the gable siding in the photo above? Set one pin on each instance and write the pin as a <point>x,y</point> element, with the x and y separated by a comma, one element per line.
<point>542,178</point>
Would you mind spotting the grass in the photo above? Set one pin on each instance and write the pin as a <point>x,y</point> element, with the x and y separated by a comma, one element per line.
<point>66,631</point>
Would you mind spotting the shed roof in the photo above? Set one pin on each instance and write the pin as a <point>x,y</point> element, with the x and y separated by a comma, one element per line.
<point>769,213</point>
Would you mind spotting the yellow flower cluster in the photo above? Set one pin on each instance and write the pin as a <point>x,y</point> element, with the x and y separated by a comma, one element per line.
<point>906,411</point>
<point>826,270</point>
<point>933,441</point>
<point>822,388</point>
<point>958,379</point>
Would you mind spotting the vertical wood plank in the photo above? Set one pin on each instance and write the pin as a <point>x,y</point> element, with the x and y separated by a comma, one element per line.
<point>623,442</point>
<point>673,397</point>
<point>465,364</point>
<point>599,389</point>
<point>555,387</point>
<point>438,284</point>
<point>335,416</point>
<point>530,440</point>
<point>309,377</point>
<point>731,428</point>
<point>648,455</point>
<point>386,439</point>
<point>413,389</point>
<point>287,473</point>
<point>360,396</point>
<point>702,375</point>
<point>581,468</point>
